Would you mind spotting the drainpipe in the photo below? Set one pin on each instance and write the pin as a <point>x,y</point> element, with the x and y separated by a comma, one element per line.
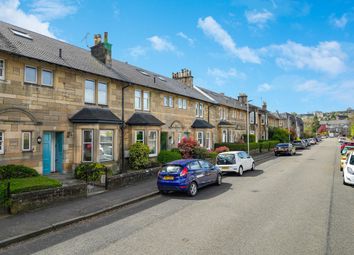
<point>123,170</point>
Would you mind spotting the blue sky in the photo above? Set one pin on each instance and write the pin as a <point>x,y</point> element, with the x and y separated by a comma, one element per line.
<point>295,55</point>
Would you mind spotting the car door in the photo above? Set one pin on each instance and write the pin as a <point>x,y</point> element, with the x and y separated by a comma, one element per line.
<point>241,160</point>
<point>198,172</point>
<point>248,161</point>
<point>209,173</point>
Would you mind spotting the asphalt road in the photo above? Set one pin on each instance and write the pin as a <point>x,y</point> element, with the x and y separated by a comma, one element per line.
<point>289,205</point>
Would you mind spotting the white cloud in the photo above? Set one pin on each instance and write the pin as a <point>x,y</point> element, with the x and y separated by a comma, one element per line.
<point>222,76</point>
<point>161,44</point>
<point>137,51</point>
<point>339,22</point>
<point>52,9</point>
<point>264,87</point>
<point>313,86</point>
<point>326,57</point>
<point>259,18</point>
<point>213,29</point>
<point>11,13</point>
<point>187,38</point>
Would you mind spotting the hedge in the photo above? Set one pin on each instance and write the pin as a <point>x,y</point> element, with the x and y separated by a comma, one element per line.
<point>168,156</point>
<point>262,146</point>
<point>93,170</point>
<point>16,171</point>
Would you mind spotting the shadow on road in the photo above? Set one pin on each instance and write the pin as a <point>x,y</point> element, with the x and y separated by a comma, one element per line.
<point>203,193</point>
<point>253,173</point>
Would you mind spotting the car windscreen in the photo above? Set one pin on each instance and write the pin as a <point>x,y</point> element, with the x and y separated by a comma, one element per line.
<point>282,145</point>
<point>297,142</point>
<point>351,160</point>
<point>226,159</point>
<point>171,169</point>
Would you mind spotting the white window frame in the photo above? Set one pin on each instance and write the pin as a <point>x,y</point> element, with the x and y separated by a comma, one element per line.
<point>179,137</point>
<point>30,141</point>
<point>201,138</point>
<point>98,93</point>
<point>2,142</point>
<point>180,103</point>
<point>199,108</point>
<point>184,104</point>
<point>224,138</point>
<point>146,101</point>
<point>94,93</point>
<point>100,142</point>
<point>165,101</point>
<point>48,71</point>
<point>2,77</point>
<point>137,99</point>
<point>170,101</point>
<point>149,140</point>
<point>135,136</point>
<point>207,140</point>
<point>84,143</point>
<point>25,75</point>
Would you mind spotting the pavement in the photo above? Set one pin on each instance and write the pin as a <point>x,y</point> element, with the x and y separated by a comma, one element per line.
<point>16,228</point>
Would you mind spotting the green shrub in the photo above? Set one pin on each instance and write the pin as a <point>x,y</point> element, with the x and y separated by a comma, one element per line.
<point>92,170</point>
<point>138,156</point>
<point>212,155</point>
<point>200,153</point>
<point>16,171</point>
<point>252,138</point>
<point>168,156</point>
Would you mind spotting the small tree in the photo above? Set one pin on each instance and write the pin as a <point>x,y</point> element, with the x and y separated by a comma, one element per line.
<point>138,156</point>
<point>186,147</point>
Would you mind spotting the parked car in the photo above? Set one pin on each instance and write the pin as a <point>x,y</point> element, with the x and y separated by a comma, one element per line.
<point>307,141</point>
<point>299,144</point>
<point>187,175</point>
<point>313,141</point>
<point>344,155</point>
<point>348,170</point>
<point>284,148</point>
<point>235,161</point>
<point>342,139</point>
<point>346,143</point>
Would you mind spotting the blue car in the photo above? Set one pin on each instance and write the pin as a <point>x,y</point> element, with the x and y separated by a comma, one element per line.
<point>188,175</point>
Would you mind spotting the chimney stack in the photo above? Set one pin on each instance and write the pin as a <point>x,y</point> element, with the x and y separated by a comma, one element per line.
<point>243,98</point>
<point>184,76</point>
<point>102,50</point>
<point>264,106</point>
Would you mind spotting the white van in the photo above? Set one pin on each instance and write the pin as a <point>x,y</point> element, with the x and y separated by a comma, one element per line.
<point>235,161</point>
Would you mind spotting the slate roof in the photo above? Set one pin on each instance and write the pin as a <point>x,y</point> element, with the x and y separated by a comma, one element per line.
<point>144,119</point>
<point>224,100</point>
<point>199,123</point>
<point>95,115</point>
<point>46,49</point>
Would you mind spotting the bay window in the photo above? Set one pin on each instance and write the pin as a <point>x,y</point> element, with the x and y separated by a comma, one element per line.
<point>152,143</point>
<point>87,145</point>
<point>106,145</point>
<point>139,136</point>
<point>26,141</point>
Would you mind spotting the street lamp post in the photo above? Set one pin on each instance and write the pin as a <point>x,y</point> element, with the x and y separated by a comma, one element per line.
<point>288,128</point>
<point>248,127</point>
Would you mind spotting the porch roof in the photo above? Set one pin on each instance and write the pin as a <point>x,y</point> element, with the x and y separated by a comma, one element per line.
<point>95,115</point>
<point>199,123</point>
<point>144,119</point>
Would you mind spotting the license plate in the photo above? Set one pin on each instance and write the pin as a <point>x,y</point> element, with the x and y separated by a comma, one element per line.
<point>168,178</point>
<point>225,168</point>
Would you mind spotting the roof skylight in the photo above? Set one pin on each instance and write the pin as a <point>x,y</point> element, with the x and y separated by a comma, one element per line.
<point>143,72</point>
<point>161,78</point>
<point>22,34</point>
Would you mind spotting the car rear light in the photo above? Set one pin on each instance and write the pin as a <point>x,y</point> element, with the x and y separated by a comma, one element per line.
<point>184,172</point>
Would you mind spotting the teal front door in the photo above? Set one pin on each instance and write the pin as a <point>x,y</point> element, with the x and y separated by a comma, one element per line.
<point>52,152</point>
<point>59,140</point>
<point>47,152</point>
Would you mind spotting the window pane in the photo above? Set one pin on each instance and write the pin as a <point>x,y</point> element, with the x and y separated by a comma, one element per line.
<point>139,136</point>
<point>47,77</point>
<point>146,101</point>
<point>152,142</point>
<point>26,141</point>
<point>102,93</point>
<point>165,101</point>
<point>87,152</point>
<point>171,101</point>
<point>106,145</point>
<point>1,143</point>
<point>184,104</point>
<point>89,91</point>
<point>30,74</point>
<point>87,136</point>
<point>2,73</point>
<point>138,99</point>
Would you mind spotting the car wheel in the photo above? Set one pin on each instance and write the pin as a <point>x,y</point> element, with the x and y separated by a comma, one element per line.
<point>240,171</point>
<point>193,189</point>
<point>218,180</point>
<point>341,169</point>
<point>253,166</point>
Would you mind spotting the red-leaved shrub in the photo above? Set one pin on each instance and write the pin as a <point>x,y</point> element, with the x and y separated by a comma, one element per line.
<point>186,147</point>
<point>222,149</point>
